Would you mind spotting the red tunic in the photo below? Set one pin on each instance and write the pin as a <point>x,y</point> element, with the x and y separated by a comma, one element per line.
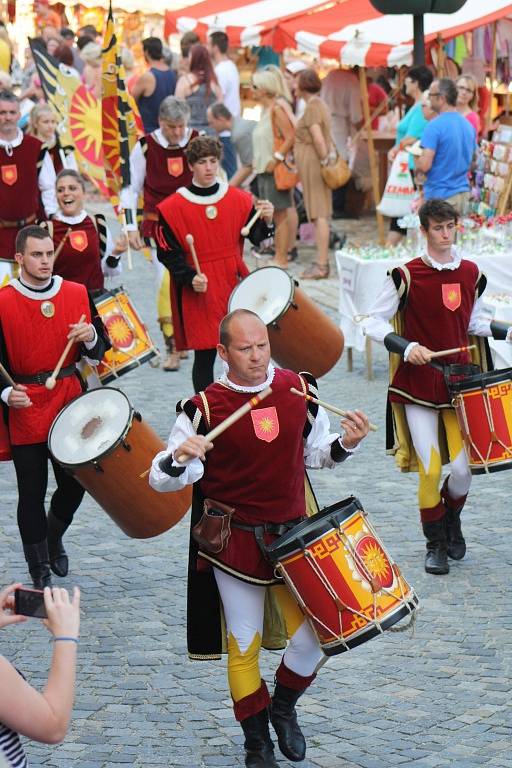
<point>19,189</point>
<point>80,257</point>
<point>34,343</point>
<point>166,171</point>
<point>437,314</point>
<point>257,466</point>
<point>218,245</point>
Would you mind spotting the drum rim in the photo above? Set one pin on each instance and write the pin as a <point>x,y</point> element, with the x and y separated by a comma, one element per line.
<point>481,380</point>
<point>293,287</point>
<point>285,545</point>
<point>111,448</point>
<point>131,365</point>
<point>109,293</point>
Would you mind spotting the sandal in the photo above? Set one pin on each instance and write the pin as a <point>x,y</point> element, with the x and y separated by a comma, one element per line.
<point>315,271</point>
<point>293,254</point>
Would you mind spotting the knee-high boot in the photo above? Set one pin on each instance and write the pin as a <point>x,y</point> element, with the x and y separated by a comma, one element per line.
<point>436,559</point>
<point>38,563</point>
<point>284,719</point>
<point>259,749</point>
<point>455,538</point>
<point>58,558</point>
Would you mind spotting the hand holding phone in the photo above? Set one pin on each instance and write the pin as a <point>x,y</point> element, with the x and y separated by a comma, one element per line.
<point>63,612</point>
<point>30,602</point>
<point>8,613</point>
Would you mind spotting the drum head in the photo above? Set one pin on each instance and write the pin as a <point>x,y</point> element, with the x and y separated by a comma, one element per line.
<point>313,528</point>
<point>89,426</point>
<point>268,292</point>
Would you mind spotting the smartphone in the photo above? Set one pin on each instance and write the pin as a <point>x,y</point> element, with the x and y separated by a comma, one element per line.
<point>30,602</point>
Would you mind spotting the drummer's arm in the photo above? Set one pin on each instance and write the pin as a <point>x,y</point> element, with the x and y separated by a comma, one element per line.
<point>170,253</point>
<point>481,325</point>
<point>377,324</point>
<point>129,195</point>
<point>4,391</point>
<point>324,448</point>
<point>166,473</point>
<point>260,230</point>
<point>93,351</point>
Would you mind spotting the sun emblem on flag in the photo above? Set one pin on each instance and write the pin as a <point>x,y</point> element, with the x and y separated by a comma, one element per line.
<point>265,423</point>
<point>372,559</point>
<point>119,332</point>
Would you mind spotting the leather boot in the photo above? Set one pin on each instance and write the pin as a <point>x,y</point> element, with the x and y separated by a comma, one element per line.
<point>284,719</point>
<point>436,559</point>
<point>172,360</point>
<point>58,557</point>
<point>259,749</point>
<point>38,563</point>
<point>456,542</point>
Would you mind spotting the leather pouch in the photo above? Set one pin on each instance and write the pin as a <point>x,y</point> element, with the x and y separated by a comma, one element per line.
<point>213,530</point>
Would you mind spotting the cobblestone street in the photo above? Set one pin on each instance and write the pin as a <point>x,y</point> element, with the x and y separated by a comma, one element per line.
<point>437,695</point>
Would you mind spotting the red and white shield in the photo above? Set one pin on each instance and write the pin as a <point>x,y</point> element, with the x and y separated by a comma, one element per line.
<point>451,296</point>
<point>9,174</point>
<point>78,240</point>
<point>265,423</point>
<point>175,166</point>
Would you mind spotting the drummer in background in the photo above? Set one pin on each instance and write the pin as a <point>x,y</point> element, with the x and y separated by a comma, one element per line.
<point>256,466</point>
<point>39,313</point>
<point>213,213</point>
<point>430,304</point>
<point>86,252</point>
<point>158,167</point>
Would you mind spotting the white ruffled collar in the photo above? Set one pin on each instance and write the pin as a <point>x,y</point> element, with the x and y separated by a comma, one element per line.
<point>450,265</point>
<point>72,219</point>
<point>224,379</point>
<point>206,199</point>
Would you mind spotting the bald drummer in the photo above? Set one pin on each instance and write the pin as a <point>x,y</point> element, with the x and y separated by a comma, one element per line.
<point>40,315</point>
<point>256,467</point>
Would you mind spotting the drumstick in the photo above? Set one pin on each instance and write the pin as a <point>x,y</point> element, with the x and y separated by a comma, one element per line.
<point>7,377</point>
<point>245,230</point>
<point>327,406</point>
<point>52,380</point>
<point>190,240</point>
<point>453,351</point>
<point>61,244</point>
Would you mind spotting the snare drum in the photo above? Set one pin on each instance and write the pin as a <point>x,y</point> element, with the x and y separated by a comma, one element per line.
<point>8,271</point>
<point>302,337</point>
<point>107,446</point>
<point>483,404</point>
<point>131,342</point>
<point>342,577</point>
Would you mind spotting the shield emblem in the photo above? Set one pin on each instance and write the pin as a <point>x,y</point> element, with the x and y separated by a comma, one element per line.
<point>9,174</point>
<point>78,240</point>
<point>451,296</point>
<point>265,423</point>
<point>175,166</point>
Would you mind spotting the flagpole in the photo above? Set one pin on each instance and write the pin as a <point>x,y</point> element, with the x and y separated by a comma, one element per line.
<point>128,248</point>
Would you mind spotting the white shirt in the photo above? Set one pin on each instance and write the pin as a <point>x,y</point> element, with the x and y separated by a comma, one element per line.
<point>229,81</point>
<point>317,447</point>
<point>46,178</point>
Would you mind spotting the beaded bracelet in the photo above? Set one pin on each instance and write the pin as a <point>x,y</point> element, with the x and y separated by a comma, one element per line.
<point>71,639</point>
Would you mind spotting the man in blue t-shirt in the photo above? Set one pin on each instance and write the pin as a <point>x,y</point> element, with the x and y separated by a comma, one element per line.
<point>448,143</point>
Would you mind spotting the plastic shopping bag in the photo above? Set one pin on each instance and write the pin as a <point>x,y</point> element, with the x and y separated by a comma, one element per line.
<point>399,191</point>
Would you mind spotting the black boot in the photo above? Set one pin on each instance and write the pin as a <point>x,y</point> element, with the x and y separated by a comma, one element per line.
<point>38,563</point>
<point>436,559</point>
<point>58,558</point>
<point>259,749</point>
<point>456,542</point>
<point>284,719</point>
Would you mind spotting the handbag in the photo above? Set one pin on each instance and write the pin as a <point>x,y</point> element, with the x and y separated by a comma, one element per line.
<point>285,173</point>
<point>399,190</point>
<point>336,174</point>
<point>213,530</point>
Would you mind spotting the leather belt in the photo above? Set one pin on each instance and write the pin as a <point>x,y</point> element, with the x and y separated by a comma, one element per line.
<point>150,216</point>
<point>40,378</point>
<point>277,529</point>
<point>4,224</point>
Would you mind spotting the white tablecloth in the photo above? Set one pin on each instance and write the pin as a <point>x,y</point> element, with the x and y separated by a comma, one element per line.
<point>362,279</point>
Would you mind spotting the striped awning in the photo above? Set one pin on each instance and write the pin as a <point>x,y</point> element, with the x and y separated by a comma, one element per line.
<point>351,31</point>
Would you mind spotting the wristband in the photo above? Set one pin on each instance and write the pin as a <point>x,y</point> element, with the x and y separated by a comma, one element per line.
<point>70,639</point>
<point>279,156</point>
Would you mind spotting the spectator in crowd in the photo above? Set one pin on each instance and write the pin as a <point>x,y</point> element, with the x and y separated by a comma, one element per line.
<point>5,81</point>
<point>410,129</point>
<point>68,38</point>
<point>91,74</point>
<point>267,153</point>
<point>313,149</point>
<point>45,716</point>
<point>199,87</point>
<point>292,71</point>
<point>448,144</point>
<point>90,31</point>
<point>221,120</point>
<point>130,69</point>
<point>154,85</point>
<point>467,100</point>
<point>187,41</point>
<point>45,16</point>
<point>226,71</point>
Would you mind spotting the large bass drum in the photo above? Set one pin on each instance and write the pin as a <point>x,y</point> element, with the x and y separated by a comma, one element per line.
<point>302,337</point>
<point>108,447</point>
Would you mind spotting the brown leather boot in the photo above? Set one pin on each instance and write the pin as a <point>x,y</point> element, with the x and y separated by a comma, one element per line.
<point>172,359</point>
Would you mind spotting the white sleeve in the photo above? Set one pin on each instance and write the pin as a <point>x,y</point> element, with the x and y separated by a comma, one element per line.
<point>5,394</point>
<point>193,470</point>
<point>317,449</point>
<point>377,325</point>
<point>47,179</point>
<point>129,195</point>
<point>109,247</point>
<point>480,320</point>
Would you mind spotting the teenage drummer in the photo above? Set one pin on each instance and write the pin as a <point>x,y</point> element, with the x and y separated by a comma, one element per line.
<point>432,303</point>
<point>39,315</point>
<point>206,218</point>
<point>256,467</point>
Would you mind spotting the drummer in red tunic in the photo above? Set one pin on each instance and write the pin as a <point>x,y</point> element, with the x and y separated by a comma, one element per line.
<point>86,252</point>
<point>26,175</point>
<point>256,466</point>
<point>435,302</point>
<point>214,214</point>
<point>38,315</point>
<point>158,167</point>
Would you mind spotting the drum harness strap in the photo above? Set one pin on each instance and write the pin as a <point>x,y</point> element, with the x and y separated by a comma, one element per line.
<point>41,378</point>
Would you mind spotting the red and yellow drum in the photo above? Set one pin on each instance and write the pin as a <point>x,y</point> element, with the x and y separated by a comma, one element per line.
<point>483,404</point>
<point>342,577</point>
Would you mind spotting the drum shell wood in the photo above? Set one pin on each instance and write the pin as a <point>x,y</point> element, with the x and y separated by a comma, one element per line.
<point>127,498</point>
<point>304,338</point>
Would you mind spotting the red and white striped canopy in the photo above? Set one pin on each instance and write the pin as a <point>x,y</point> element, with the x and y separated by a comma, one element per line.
<point>351,31</point>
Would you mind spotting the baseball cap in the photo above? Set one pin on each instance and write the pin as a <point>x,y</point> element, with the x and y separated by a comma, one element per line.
<point>296,66</point>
